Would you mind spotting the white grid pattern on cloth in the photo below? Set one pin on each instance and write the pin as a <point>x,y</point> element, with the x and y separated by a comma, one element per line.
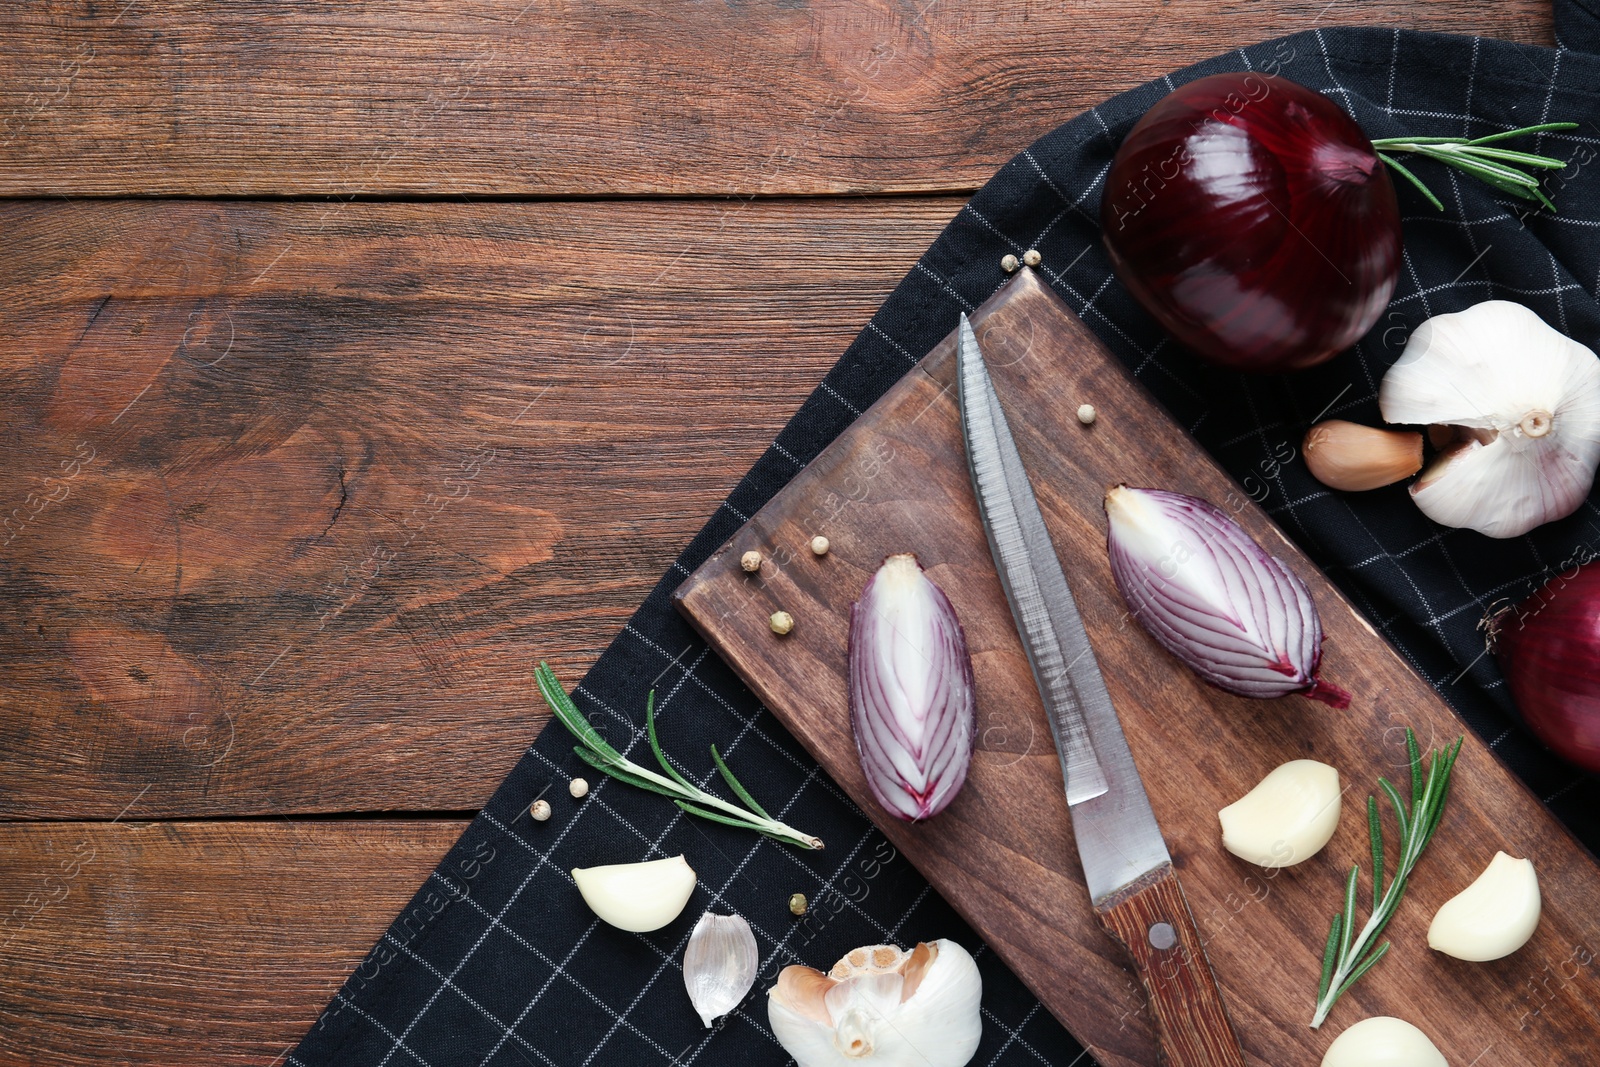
<point>620,1019</point>
<point>1393,555</point>
<point>571,823</point>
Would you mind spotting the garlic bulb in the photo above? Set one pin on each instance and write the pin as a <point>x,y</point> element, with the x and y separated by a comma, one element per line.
<point>1349,456</point>
<point>1383,1041</point>
<point>1287,818</point>
<point>639,897</point>
<point>719,964</point>
<point>881,1004</point>
<point>1492,917</point>
<point>1525,402</point>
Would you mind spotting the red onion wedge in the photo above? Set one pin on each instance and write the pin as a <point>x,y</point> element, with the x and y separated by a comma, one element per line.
<point>1549,648</point>
<point>1211,596</point>
<point>911,692</point>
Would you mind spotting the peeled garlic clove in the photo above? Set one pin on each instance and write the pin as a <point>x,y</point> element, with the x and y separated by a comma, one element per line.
<point>882,1005</point>
<point>719,965</point>
<point>1383,1041</point>
<point>1531,395</point>
<point>1492,917</point>
<point>1349,456</point>
<point>1287,818</point>
<point>637,896</point>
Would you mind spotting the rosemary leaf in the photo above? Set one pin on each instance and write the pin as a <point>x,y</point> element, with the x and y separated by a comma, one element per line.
<point>1527,159</point>
<point>1413,179</point>
<point>1548,127</point>
<point>564,709</point>
<point>733,783</point>
<point>1375,829</point>
<point>1330,956</point>
<point>1346,957</point>
<point>1415,752</point>
<point>1405,143</point>
<point>715,816</point>
<point>655,745</point>
<point>1399,807</point>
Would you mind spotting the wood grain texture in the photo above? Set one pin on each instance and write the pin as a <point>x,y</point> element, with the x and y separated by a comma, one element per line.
<point>1002,853</point>
<point>191,943</point>
<point>1152,921</point>
<point>508,97</point>
<point>293,495</point>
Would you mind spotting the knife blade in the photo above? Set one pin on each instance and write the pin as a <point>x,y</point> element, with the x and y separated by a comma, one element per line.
<point>1127,869</point>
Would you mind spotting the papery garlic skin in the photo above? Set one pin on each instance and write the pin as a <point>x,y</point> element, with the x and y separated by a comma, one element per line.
<point>1492,917</point>
<point>1287,818</point>
<point>638,897</point>
<point>1530,396</point>
<point>719,964</point>
<point>1383,1041</point>
<point>881,1005</point>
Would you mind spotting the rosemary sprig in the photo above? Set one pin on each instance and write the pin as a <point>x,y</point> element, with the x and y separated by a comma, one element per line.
<point>598,753</point>
<point>1494,166</point>
<point>1347,958</point>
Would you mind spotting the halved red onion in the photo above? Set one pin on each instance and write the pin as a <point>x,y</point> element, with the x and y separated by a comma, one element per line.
<point>912,703</point>
<point>1214,598</point>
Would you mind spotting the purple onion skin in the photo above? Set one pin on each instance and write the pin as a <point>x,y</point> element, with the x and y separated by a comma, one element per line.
<point>913,778</point>
<point>1276,657</point>
<point>1252,217</point>
<point>1549,648</point>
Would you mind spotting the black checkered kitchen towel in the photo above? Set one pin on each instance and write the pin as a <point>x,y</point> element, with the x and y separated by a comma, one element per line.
<point>498,962</point>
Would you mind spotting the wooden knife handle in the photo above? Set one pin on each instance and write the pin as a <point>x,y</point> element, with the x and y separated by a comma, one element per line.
<point>1151,918</point>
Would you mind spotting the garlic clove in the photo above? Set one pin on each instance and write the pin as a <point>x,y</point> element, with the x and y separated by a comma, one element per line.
<point>1492,917</point>
<point>1383,1041</point>
<point>1349,456</point>
<point>638,897</point>
<point>884,1005</point>
<point>719,964</point>
<point>1287,818</point>
<point>1532,395</point>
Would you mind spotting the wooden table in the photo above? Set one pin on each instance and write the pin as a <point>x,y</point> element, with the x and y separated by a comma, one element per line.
<point>356,356</point>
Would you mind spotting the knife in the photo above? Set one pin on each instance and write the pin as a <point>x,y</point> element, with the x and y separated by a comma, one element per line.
<point>1134,889</point>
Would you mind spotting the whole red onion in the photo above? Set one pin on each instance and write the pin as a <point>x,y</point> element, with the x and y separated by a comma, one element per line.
<point>1254,220</point>
<point>1549,648</point>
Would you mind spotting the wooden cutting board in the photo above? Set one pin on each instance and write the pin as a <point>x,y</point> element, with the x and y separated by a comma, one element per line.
<point>1003,855</point>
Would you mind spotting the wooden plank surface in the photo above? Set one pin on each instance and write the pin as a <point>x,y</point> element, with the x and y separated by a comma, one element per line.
<point>1002,853</point>
<point>129,660</point>
<point>510,97</point>
<point>192,943</point>
<point>294,493</point>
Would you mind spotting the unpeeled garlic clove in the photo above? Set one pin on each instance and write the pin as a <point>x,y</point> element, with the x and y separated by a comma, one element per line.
<point>1528,399</point>
<point>1349,456</point>
<point>638,897</point>
<point>719,964</point>
<point>883,1005</point>
<point>1492,917</point>
<point>1285,819</point>
<point>1383,1041</point>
